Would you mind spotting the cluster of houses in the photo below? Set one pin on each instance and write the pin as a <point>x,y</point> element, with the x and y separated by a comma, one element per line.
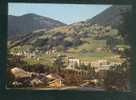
<point>98,65</point>
<point>28,54</point>
<point>33,79</point>
<point>72,62</point>
<point>50,80</point>
<point>51,51</point>
<point>54,80</point>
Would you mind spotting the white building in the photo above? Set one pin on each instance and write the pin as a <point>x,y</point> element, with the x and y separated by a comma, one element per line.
<point>72,62</point>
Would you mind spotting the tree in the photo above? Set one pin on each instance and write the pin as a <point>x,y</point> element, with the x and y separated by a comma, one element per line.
<point>111,42</point>
<point>117,77</point>
<point>67,43</point>
<point>60,48</point>
<point>76,41</point>
<point>40,42</point>
<point>92,73</point>
<point>58,63</point>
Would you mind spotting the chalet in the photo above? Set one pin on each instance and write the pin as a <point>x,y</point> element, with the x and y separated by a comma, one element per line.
<point>56,83</point>
<point>53,76</point>
<point>20,73</point>
<point>56,80</point>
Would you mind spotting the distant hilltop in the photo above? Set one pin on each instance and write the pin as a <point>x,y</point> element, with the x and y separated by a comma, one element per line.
<point>112,16</point>
<point>18,25</point>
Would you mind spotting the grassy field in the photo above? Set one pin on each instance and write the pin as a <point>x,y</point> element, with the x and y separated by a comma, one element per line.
<point>47,59</point>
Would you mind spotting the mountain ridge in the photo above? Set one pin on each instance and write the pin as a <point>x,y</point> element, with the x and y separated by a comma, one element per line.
<point>75,34</point>
<point>112,16</point>
<point>28,23</point>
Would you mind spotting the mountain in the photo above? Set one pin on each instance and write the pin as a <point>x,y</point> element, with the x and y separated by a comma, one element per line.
<point>18,25</point>
<point>87,35</point>
<point>104,26</point>
<point>82,36</point>
<point>112,16</point>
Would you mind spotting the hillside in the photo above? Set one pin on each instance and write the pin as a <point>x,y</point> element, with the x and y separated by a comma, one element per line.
<point>112,16</point>
<point>91,53</point>
<point>18,25</point>
<point>79,37</point>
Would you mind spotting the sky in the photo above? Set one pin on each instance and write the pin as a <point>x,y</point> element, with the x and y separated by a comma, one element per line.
<point>66,13</point>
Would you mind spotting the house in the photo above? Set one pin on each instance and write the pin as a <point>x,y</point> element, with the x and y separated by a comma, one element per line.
<point>92,82</point>
<point>56,81</point>
<point>13,53</point>
<point>15,59</point>
<point>19,54</point>
<point>30,55</point>
<point>51,51</point>
<point>99,63</point>
<point>72,63</point>
<point>16,83</point>
<point>100,49</point>
<point>20,73</point>
<point>37,59</point>
<point>36,82</point>
<point>85,62</point>
<point>53,76</point>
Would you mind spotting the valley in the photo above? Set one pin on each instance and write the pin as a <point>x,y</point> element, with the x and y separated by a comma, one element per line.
<point>83,54</point>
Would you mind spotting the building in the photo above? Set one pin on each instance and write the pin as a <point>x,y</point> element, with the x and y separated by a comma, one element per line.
<point>55,80</point>
<point>57,83</point>
<point>72,63</point>
<point>20,73</point>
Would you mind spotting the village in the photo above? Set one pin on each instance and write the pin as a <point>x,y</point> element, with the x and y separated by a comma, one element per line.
<point>72,62</point>
<point>67,71</point>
